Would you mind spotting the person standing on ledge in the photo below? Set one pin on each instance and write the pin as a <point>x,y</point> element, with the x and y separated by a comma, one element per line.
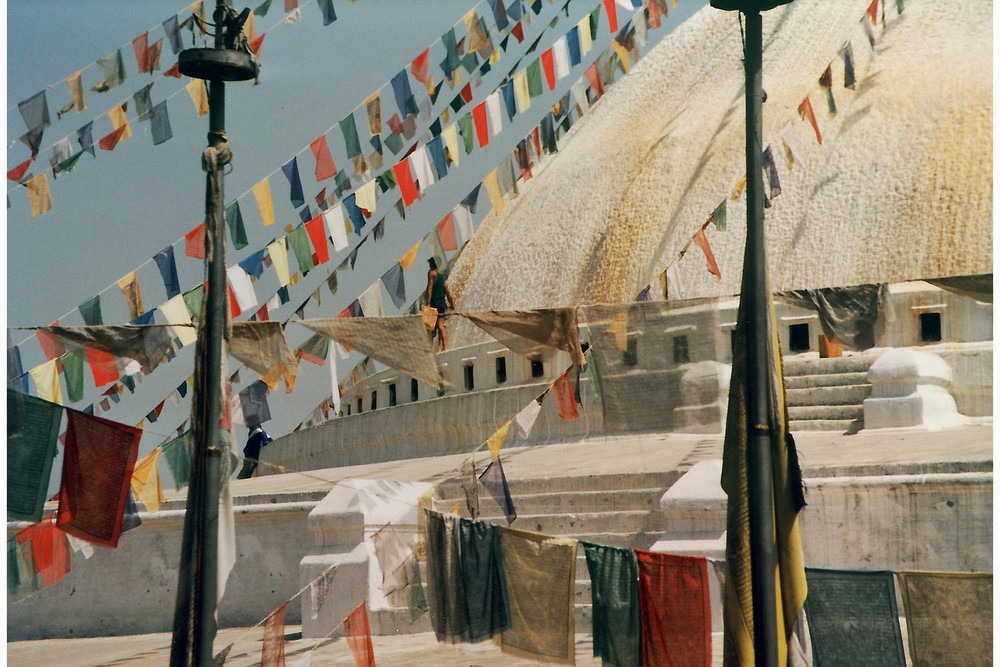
<point>438,296</point>
<point>251,452</point>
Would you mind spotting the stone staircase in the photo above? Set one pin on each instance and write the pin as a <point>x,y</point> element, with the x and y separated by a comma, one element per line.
<point>827,394</point>
<point>621,510</point>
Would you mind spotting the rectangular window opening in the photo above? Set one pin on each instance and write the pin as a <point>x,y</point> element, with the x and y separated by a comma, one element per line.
<point>392,395</point>
<point>470,377</point>
<point>501,368</point>
<point>414,390</point>
<point>537,368</point>
<point>681,355</point>
<point>374,400</point>
<point>930,327</point>
<point>798,337</point>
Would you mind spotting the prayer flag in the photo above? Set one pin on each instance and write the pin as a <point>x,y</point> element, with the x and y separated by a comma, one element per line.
<point>872,12</point>
<point>39,195</point>
<point>492,183</point>
<point>314,228</point>
<point>49,550</point>
<point>495,482</point>
<point>373,112</point>
<point>406,261</point>
<point>560,53</point>
<point>177,452</point>
<point>402,93</point>
<point>72,365</point>
<point>141,47</point>
<point>17,173</point>
<point>806,111</point>
<point>521,94</point>
<point>325,168</point>
<point>359,636</point>
<point>436,148</point>
<point>252,401</point>
<point>549,67</point>
<point>541,604</point>
<point>97,466</point>
<point>526,417</point>
<point>327,11</point>
<point>484,580</point>
<point>534,76</point>
<point>718,216</point>
<point>612,12</point>
<point>403,177</point>
<point>35,111</point>
<point>146,484</point>
<point>172,29</point>
<point>129,285</point>
<point>262,195</point>
<point>194,242</point>
<point>622,54</point>
<point>847,53</point>
<point>103,366</point>
<point>110,140</point>
<point>676,612</point>
<point>767,162</point>
<point>199,96</point>
<point>298,240</point>
<point>32,432</point>
<point>273,650</point>
<point>949,617</point>
<point>465,127</point>
<point>463,223</point>
<point>350,131</point>
<point>494,113</point>
<point>315,349</point>
<point>495,441</point>
<point>499,13</point>
<point>562,389</point>
<point>278,253</point>
<point>242,287</point>
<point>75,85</point>
<point>446,233</point>
<point>701,241</point>
<point>446,596</point>
<point>470,485</point>
<point>594,79</point>
<point>90,311</point>
<point>479,38</point>
<point>334,218</point>
<point>160,124</point>
<point>419,68</point>
<point>614,593</point>
<point>291,171</point>
<point>826,83</point>
<point>394,285</point>
<point>365,199</point>
<point>234,220</point>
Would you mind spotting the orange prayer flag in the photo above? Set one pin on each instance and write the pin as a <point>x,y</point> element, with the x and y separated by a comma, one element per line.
<point>17,173</point>
<point>562,389</point>
<point>594,79</point>
<point>405,180</point>
<point>806,110</point>
<point>872,12</point>
<point>446,233</point>
<point>612,12</point>
<point>175,71</point>
<point>110,140</point>
<point>482,127</point>
<point>317,234</point>
<point>702,242</point>
<point>419,67</point>
<point>257,43</point>
<point>194,242</point>
<point>325,168</point>
<point>549,67</point>
<point>273,652</point>
<point>49,549</point>
<point>359,636</point>
<point>103,365</point>
<point>141,47</point>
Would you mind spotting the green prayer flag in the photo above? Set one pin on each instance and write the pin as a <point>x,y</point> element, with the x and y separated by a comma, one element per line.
<point>315,348</point>
<point>465,127</point>
<point>143,106</point>
<point>595,21</point>
<point>72,363</point>
<point>177,452</point>
<point>91,311</point>
<point>13,576</point>
<point>129,383</point>
<point>535,78</point>
<point>32,431</point>
<point>719,216</point>
<point>151,416</point>
<point>393,143</point>
<point>193,299</point>
<point>113,69</point>
<point>451,61</point>
<point>350,130</point>
<point>386,181</point>
<point>614,591</point>
<point>263,8</point>
<point>415,598</point>
<point>234,220</point>
<point>457,103</point>
<point>69,163</point>
<point>298,240</point>
<point>483,579</point>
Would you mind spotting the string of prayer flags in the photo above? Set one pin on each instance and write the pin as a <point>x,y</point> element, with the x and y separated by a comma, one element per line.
<point>614,593</point>
<point>541,605</point>
<point>484,580</point>
<point>806,111</point>
<point>98,462</point>
<point>495,482</point>
<point>273,650</point>
<point>358,634</point>
<point>32,432</point>
<point>676,613</point>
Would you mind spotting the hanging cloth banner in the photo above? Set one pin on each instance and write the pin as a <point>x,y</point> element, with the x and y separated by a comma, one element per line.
<point>676,609</point>
<point>32,432</point>
<point>701,241</point>
<point>446,597</point>
<point>948,614</point>
<point>177,452</point>
<point>262,195</point>
<point>806,111</point>
<point>46,377</point>
<point>146,484</point>
<point>484,580</point>
<point>149,345</point>
<point>291,171</point>
<point>614,593</point>
<point>552,327</point>
<point>262,347</point>
<point>98,462</point>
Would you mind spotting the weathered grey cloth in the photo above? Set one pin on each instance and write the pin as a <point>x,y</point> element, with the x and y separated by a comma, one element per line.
<point>978,287</point>
<point>852,315</point>
<point>445,592</point>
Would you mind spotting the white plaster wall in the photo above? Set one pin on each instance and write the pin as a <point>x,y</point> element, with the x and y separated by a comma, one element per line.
<point>901,187</point>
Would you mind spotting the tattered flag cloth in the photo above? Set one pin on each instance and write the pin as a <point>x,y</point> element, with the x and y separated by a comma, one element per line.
<point>149,345</point>
<point>614,593</point>
<point>949,617</point>
<point>541,602</point>
<point>853,618</point>
<point>446,596</point>
<point>676,609</point>
<point>358,634</point>
<point>32,432</point>
<point>273,650</point>
<point>392,555</point>
<point>262,347</point>
<point>495,441</point>
<point>398,342</point>
<point>167,265</point>
<point>98,463</point>
<point>483,579</point>
<point>496,485</point>
<point>552,327</point>
<point>49,549</point>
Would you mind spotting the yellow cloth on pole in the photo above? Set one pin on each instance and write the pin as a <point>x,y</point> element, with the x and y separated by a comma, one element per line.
<point>119,117</point>
<point>46,377</point>
<point>495,441</point>
<point>39,195</point>
<point>146,484</point>
<point>262,193</point>
<point>199,96</point>
<point>279,257</point>
<point>492,183</point>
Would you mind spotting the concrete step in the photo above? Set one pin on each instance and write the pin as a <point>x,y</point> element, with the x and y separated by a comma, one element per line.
<point>815,365</point>
<point>571,501</point>
<point>825,379</point>
<point>807,412</point>
<point>638,480</point>
<point>828,425</point>
<point>850,394</point>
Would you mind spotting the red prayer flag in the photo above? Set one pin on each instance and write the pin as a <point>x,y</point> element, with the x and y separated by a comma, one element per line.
<point>17,173</point>
<point>234,306</point>
<point>290,5</point>
<point>153,55</point>
<point>594,79</point>
<point>141,47</point>
<point>52,347</point>
<point>103,366</point>
<point>548,65</point>
<point>49,549</point>
<point>702,242</point>
<point>806,109</point>
<point>314,228</point>
<point>536,137</point>
<point>262,314</point>
<point>175,71</point>
<point>419,66</point>
<point>405,180</point>
<point>466,93</point>
<point>872,12</point>
<point>518,32</point>
<point>194,242</point>
<point>97,470</point>
<point>359,636</point>
<point>273,652</point>
<point>446,233</point>
<point>653,12</point>
<point>325,168</point>
<point>675,609</point>
<point>562,389</point>
<point>257,43</point>
<point>482,126</point>
<point>612,12</point>
<point>110,140</point>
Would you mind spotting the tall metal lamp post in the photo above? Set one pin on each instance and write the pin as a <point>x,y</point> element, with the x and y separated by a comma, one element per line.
<point>762,546</point>
<point>197,586</point>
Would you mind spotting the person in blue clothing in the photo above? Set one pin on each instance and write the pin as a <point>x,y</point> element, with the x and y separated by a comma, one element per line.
<point>438,296</point>
<point>251,452</point>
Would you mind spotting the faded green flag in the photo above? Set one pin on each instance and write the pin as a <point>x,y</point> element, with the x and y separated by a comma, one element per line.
<point>614,592</point>
<point>177,452</point>
<point>32,431</point>
<point>72,363</point>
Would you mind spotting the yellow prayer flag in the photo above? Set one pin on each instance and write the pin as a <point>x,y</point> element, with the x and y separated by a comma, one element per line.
<point>365,197</point>
<point>294,280</point>
<point>450,138</point>
<point>738,188</point>
<point>249,29</point>
<point>492,183</point>
<point>446,116</point>
<point>619,328</point>
<point>46,377</point>
<point>279,258</point>
<point>406,261</point>
<point>477,36</point>
<point>495,56</point>
<point>495,441</point>
<point>39,195</point>
<point>583,28</point>
<point>622,55</point>
<point>521,90</point>
<point>196,89</point>
<point>75,84</point>
<point>176,312</point>
<point>118,118</point>
<point>146,484</point>
<point>129,285</point>
<point>373,110</point>
<point>262,193</point>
